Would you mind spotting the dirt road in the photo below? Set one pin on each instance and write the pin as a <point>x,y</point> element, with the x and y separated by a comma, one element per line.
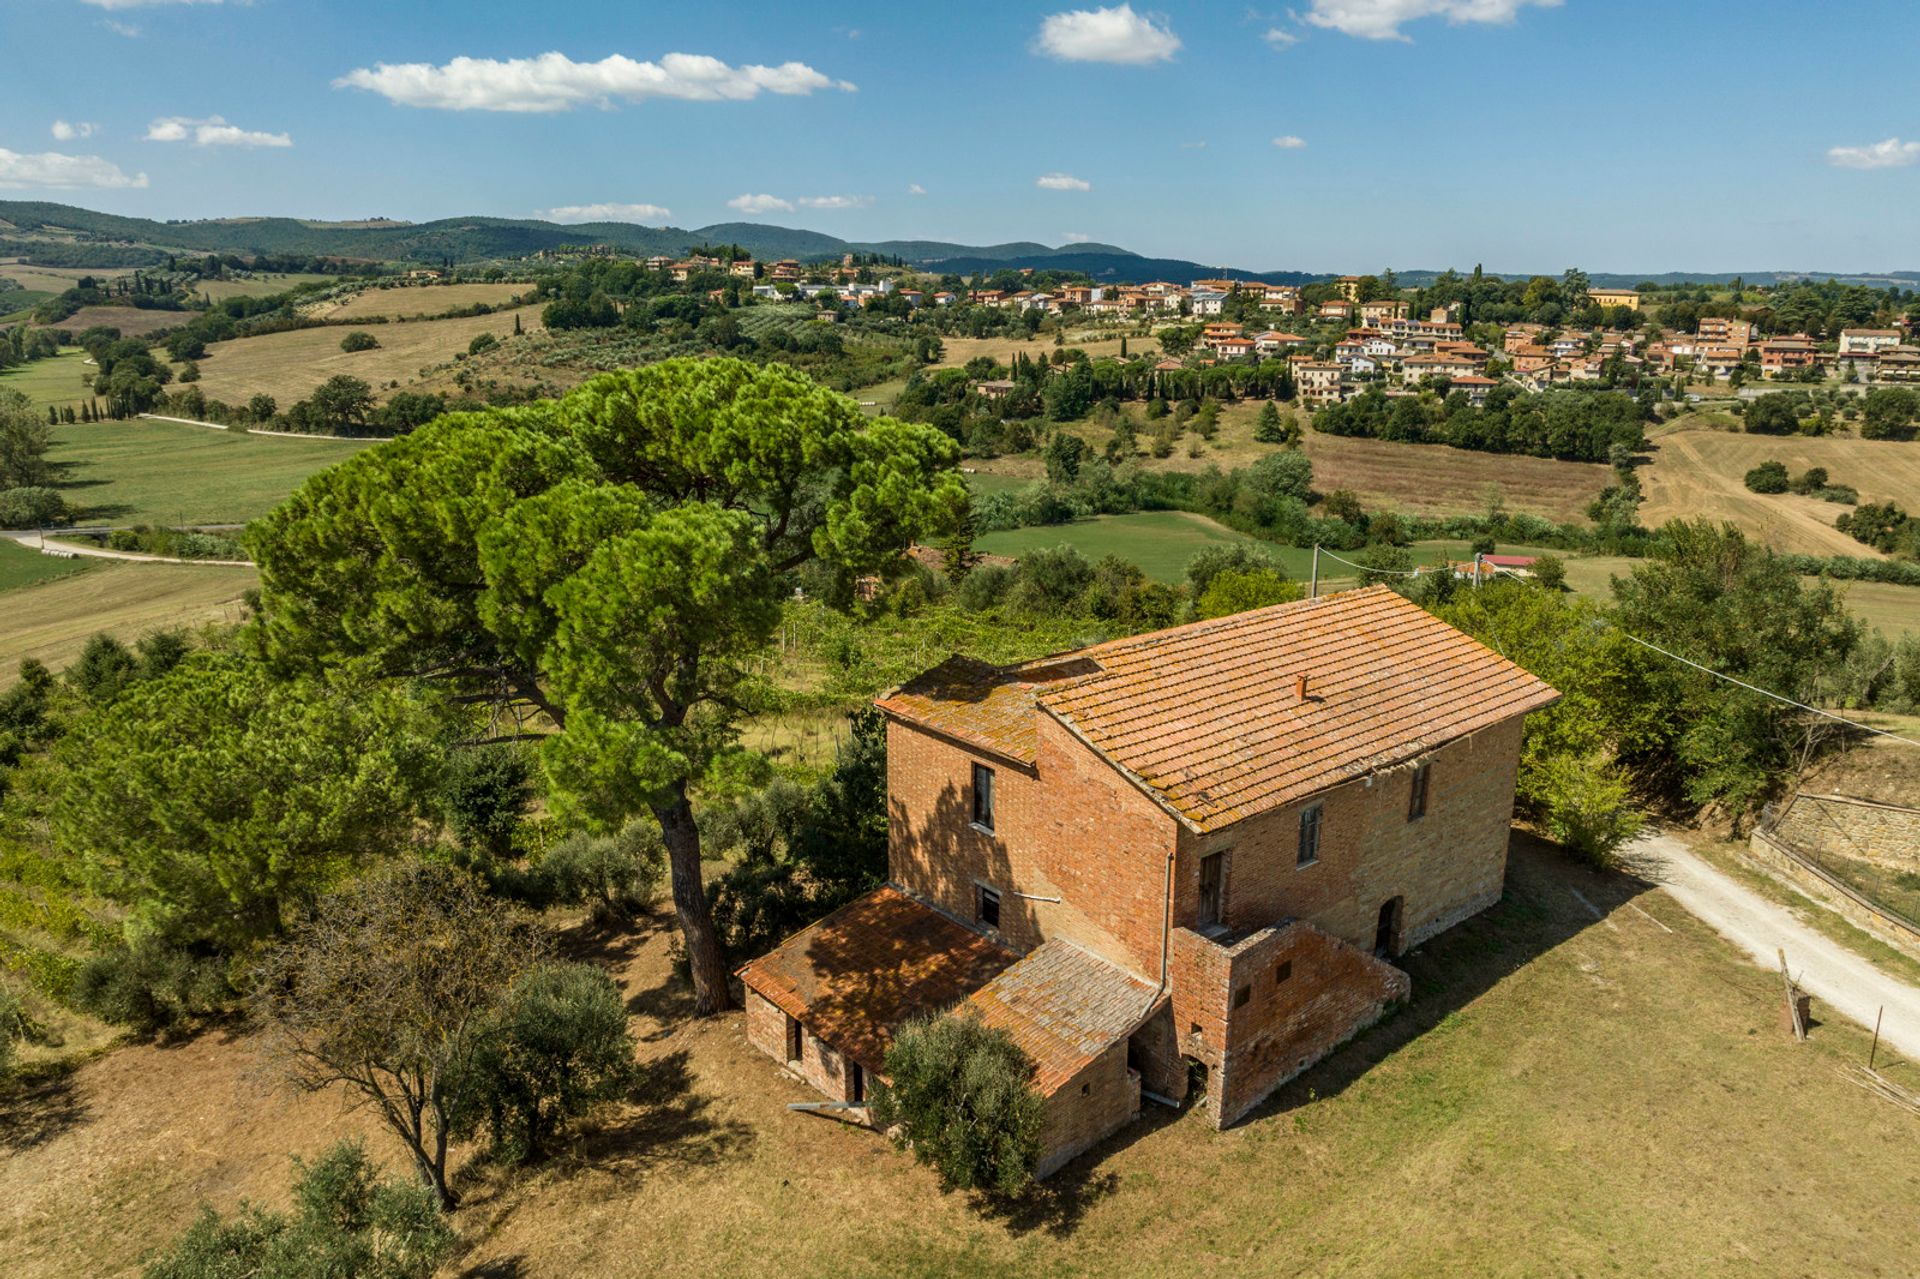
<point>1839,980</point>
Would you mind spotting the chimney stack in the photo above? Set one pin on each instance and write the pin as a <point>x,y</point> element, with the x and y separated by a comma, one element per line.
<point>1300,686</point>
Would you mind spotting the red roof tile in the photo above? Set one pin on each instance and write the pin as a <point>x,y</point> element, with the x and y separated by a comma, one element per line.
<point>1064,1006</point>
<point>857,975</point>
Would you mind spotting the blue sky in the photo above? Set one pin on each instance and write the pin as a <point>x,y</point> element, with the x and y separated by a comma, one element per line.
<point>1619,135</point>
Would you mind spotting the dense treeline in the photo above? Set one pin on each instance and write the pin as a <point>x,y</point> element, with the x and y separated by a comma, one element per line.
<point>1582,426</point>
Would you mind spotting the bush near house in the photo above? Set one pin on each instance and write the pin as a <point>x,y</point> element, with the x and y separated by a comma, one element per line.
<point>958,1096</point>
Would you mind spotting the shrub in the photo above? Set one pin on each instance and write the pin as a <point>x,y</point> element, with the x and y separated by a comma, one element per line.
<point>615,875</point>
<point>1584,804</point>
<point>345,1221</point>
<point>958,1093</point>
<point>557,1047</point>
<point>482,342</point>
<point>13,1027</point>
<point>1768,477</point>
<point>31,507</point>
<point>359,341</point>
<point>1551,572</point>
<point>485,792</point>
<point>1772,415</point>
<point>151,986</point>
<point>1237,590</point>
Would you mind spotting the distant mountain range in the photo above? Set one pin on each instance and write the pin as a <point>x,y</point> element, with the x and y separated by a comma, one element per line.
<point>24,223</point>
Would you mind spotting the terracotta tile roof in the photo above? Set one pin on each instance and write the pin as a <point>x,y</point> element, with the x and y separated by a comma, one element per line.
<point>861,972</point>
<point>1064,1006</point>
<point>1205,714</point>
<point>983,705</point>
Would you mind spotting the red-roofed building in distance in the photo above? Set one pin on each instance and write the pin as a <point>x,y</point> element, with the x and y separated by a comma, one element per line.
<point>1185,856</point>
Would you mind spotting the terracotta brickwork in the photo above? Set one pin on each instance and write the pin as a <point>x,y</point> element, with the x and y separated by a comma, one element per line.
<point>1442,867</point>
<point>1260,1008</point>
<point>1073,829</point>
<point>1103,1098</point>
<point>823,1068</point>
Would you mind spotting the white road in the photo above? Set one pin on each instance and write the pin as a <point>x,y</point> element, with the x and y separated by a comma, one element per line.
<point>1839,980</point>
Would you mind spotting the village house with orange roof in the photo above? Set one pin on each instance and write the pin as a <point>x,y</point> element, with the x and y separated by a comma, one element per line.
<point>1182,860</point>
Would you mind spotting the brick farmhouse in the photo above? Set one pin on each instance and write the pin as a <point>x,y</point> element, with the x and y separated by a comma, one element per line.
<point>1184,859</point>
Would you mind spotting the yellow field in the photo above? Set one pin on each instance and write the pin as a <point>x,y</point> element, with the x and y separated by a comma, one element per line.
<point>418,300</point>
<point>49,279</point>
<point>53,620</point>
<point>288,366</point>
<point>1699,473</point>
<point>132,321</point>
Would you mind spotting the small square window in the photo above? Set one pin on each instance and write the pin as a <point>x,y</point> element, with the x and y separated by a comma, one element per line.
<point>1309,837</point>
<point>1417,800</point>
<point>987,909</point>
<point>1241,996</point>
<point>983,797</point>
<point>1282,971</point>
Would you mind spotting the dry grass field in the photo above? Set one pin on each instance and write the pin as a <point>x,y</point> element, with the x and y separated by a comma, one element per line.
<point>1698,472</point>
<point>132,321</point>
<point>254,286</point>
<point>47,279</point>
<point>288,366</point>
<point>52,620</point>
<point>1564,1095</point>
<point>408,301</point>
<point>958,351</point>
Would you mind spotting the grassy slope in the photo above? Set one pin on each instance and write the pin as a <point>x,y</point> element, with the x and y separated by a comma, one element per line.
<point>163,472</point>
<point>289,365</point>
<point>24,566</point>
<point>53,381</point>
<point>1563,1096</point>
<point>414,300</point>
<point>52,620</point>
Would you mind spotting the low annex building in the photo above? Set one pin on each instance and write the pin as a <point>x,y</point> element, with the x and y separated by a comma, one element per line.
<point>1183,859</point>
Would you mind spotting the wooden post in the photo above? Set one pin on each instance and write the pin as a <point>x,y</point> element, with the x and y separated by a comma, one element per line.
<point>1875,1050</point>
<point>1793,1005</point>
<point>1313,593</point>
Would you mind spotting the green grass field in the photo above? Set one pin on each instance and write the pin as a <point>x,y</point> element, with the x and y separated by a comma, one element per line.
<point>1892,610</point>
<point>165,473</point>
<point>26,566</point>
<point>265,284</point>
<point>54,381</point>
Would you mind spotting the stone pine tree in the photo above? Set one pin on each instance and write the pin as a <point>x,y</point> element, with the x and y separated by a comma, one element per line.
<point>602,570</point>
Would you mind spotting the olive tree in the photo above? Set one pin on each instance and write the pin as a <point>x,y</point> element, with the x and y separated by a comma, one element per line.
<point>959,1094</point>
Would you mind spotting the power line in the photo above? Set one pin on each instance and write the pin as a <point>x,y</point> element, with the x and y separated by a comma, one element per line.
<point>1752,688</point>
<point>1395,572</point>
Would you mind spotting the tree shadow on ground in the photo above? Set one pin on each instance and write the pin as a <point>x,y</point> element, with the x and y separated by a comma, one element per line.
<point>1055,1206</point>
<point>1549,898</point>
<point>514,1267</point>
<point>35,1112</point>
<point>672,1124</point>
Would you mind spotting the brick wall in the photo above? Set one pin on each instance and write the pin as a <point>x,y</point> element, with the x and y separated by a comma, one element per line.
<point>1783,861</point>
<point>1444,867</point>
<point>824,1069</point>
<point>1841,826</point>
<point>1101,1099</point>
<point>1074,829</point>
<point>1259,1009</point>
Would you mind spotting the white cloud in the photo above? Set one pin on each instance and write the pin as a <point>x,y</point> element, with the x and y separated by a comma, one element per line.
<point>605,213</point>
<point>1280,38</point>
<point>1062,182</point>
<point>1076,237</point>
<point>914,188</point>
<point>1290,142</point>
<point>127,29</point>
<point>1891,153</point>
<point>1382,19</point>
<point>760,204</point>
<point>835,202</point>
<point>66,131</point>
<point>555,82</point>
<point>51,169</point>
<point>211,132</point>
<point>1107,35</point>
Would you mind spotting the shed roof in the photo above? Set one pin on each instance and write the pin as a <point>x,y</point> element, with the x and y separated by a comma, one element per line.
<point>1064,1006</point>
<point>857,975</point>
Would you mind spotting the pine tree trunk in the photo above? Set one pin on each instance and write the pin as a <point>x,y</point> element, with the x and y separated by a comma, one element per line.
<point>710,990</point>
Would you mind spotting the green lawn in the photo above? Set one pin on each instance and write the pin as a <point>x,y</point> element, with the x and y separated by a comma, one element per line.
<point>51,381</point>
<point>23,566</point>
<point>165,473</point>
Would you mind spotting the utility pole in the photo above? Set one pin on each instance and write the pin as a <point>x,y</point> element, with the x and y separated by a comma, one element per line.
<point>1476,569</point>
<point>1313,592</point>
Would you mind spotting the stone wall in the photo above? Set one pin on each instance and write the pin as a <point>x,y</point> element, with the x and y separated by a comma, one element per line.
<point>1841,826</point>
<point>1443,867</point>
<point>1779,859</point>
